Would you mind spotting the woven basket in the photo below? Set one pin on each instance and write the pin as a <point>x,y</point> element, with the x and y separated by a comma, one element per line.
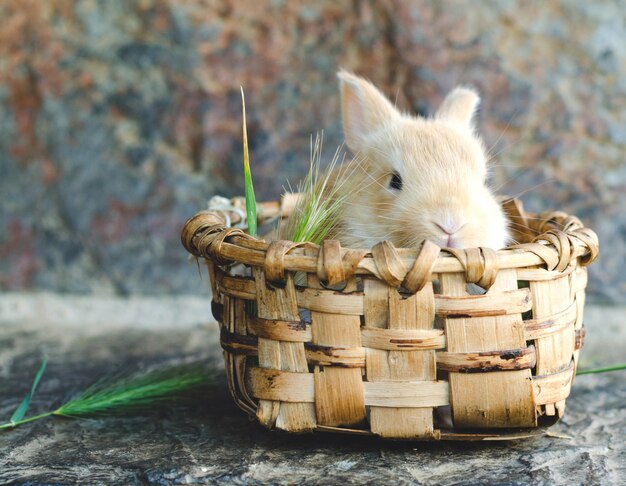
<point>386,341</point>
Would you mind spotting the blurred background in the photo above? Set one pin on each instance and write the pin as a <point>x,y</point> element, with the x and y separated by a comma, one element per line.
<point>119,120</point>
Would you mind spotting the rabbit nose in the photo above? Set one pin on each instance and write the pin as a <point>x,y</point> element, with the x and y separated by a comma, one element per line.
<point>450,227</point>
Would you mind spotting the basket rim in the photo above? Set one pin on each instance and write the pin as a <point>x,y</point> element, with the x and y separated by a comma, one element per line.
<point>561,240</point>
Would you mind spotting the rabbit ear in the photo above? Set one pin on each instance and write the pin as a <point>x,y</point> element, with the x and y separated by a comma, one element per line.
<point>459,106</point>
<point>364,110</point>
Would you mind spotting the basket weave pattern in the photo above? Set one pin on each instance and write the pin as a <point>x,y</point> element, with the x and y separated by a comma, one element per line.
<point>377,341</point>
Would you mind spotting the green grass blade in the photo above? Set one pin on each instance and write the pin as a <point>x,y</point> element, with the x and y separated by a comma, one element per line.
<point>250,199</point>
<point>324,194</point>
<point>11,425</point>
<point>135,391</point>
<point>21,410</point>
<point>128,392</point>
<point>606,369</point>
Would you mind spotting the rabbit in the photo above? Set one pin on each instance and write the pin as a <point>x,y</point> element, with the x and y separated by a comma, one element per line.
<point>420,178</point>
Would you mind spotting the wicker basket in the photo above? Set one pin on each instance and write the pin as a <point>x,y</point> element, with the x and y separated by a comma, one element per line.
<point>384,341</point>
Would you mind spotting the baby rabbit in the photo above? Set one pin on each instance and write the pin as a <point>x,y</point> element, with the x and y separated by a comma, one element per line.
<point>419,178</point>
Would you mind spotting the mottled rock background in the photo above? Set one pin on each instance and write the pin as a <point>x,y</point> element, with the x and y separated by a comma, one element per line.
<point>119,119</point>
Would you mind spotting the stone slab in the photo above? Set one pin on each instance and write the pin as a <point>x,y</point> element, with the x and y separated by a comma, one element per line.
<point>209,441</point>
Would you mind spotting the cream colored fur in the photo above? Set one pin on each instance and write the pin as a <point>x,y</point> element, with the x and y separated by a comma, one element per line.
<point>442,164</point>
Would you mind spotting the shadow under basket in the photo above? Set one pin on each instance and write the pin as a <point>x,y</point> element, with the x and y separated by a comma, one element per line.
<point>427,343</point>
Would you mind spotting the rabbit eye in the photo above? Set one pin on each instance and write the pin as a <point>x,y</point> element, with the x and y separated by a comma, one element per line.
<point>396,181</point>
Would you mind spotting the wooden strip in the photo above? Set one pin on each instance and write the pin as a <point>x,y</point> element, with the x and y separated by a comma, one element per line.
<point>344,430</point>
<point>233,322</point>
<point>512,359</point>
<point>198,238</point>
<point>281,303</point>
<point>538,328</point>
<point>330,301</point>
<point>510,302</point>
<point>554,351</point>
<point>578,284</point>
<point>421,273</point>
<point>507,259</point>
<point>399,337</point>
<point>388,263</point>
<point>269,357</point>
<point>377,366</point>
<point>238,344</point>
<point>541,274</point>
<point>580,338</point>
<point>276,385</point>
<point>239,361</point>
<point>321,300</point>
<point>281,386</point>
<point>330,266</point>
<point>291,331</point>
<point>274,264</point>
<point>240,287</point>
<point>212,270</point>
<point>506,302</point>
<point>416,312</point>
<point>403,339</point>
<point>236,293</point>
<point>553,388</point>
<point>343,357</point>
<point>337,400</point>
<point>252,252</point>
<point>227,325</point>
<point>496,436</point>
<point>406,394</point>
<point>488,400</point>
<point>238,364</point>
<point>338,389</point>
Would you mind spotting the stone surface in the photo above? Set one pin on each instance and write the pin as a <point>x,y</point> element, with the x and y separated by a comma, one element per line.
<point>209,441</point>
<point>119,119</point>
